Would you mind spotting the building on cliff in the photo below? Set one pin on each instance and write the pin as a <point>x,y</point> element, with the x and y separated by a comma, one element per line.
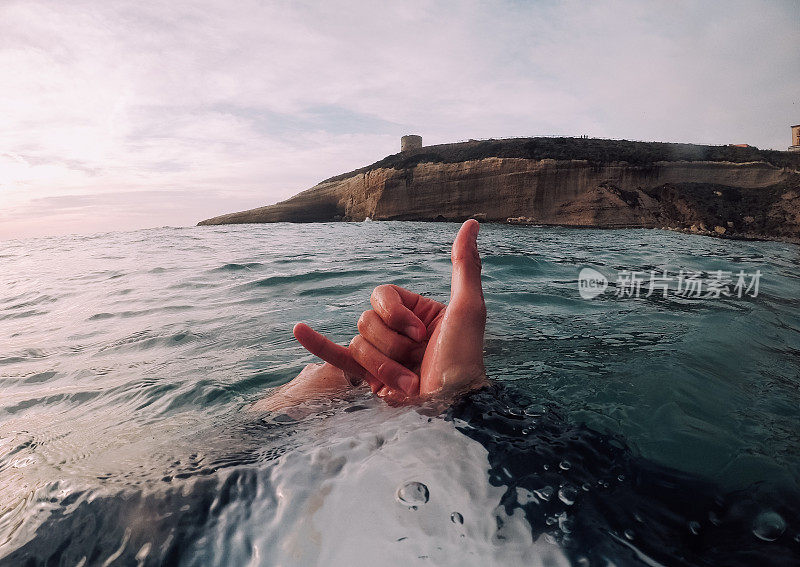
<point>795,147</point>
<point>410,142</point>
<point>561,181</point>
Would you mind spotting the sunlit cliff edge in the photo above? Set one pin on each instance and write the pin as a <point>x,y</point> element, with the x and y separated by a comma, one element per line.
<point>721,190</point>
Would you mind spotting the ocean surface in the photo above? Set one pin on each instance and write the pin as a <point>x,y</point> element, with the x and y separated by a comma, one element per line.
<point>619,430</point>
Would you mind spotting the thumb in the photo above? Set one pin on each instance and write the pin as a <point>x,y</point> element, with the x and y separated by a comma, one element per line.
<point>457,358</point>
<point>465,286</point>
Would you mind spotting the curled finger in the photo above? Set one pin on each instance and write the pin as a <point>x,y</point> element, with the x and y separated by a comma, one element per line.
<point>391,373</point>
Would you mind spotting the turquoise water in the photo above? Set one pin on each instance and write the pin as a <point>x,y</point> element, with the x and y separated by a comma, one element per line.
<point>126,360</point>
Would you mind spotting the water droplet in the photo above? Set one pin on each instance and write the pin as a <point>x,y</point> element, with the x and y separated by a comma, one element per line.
<point>534,410</point>
<point>456,518</point>
<point>546,467</point>
<point>564,465</point>
<point>768,526</point>
<point>586,486</point>
<point>568,495</point>
<point>551,520</point>
<point>565,523</point>
<point>545,493</point>
<point>621,478</point>
<point>629,535</point>
<point>694,527</point>
<point>413,494</point>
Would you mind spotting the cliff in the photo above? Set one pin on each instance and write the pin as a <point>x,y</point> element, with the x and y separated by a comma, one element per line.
<point>743,192</point>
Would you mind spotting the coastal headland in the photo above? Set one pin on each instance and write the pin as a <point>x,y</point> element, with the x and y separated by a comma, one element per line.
<point>728,191</point>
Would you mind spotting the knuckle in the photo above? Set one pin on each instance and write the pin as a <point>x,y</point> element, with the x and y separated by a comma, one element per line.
<point>469,257</point>
<point>393,318</point>
<point>363,320</point>
<point>474,306</point>
<point>357,343</point>
<point>379,291</point>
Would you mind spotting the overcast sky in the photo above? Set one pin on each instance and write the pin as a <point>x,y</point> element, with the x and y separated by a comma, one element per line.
<point>130,114</point>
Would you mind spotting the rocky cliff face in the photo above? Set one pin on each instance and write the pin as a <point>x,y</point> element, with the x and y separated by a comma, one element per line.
<point>753,199</point>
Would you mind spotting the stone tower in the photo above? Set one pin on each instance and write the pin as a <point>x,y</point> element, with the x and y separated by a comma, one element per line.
<point>410,142</point>
<point>795,147</point>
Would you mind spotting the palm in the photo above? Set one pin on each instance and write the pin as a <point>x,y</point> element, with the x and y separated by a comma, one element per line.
<point>453,352</point>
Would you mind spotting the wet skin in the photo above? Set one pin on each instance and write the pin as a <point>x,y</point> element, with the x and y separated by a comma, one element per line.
<point>409,348</point>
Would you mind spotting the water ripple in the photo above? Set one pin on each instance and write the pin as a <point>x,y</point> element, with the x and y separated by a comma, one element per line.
<point>125,359</point>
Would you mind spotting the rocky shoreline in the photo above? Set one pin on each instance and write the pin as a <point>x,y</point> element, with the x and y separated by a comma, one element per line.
<point>700,230</point>
<point>722,191</point>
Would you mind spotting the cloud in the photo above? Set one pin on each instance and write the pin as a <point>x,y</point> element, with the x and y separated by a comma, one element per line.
<point>240,104</point>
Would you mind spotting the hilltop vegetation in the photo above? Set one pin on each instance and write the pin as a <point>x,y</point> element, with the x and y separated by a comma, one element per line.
<point>596,151</point>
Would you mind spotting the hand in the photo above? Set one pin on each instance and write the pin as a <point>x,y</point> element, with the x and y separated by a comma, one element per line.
<point>412,344</point>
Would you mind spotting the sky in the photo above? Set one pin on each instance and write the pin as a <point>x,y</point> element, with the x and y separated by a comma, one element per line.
<point>119,115</point>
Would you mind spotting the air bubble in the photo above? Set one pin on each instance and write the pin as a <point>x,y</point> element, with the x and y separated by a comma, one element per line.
<point>564,465</point>
<point>629,535</point>
<point>545,493</point>
<point>769,526</point>
<point>456,518</point>
<point>694,527</point>
<point>413,494</point>
<point>565,523</point>
<point>568,495</point>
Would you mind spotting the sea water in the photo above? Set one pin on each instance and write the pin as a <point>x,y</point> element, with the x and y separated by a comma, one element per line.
<point>626,429</point>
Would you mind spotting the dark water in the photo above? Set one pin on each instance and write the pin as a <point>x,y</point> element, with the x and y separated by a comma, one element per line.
<point>624,431</point>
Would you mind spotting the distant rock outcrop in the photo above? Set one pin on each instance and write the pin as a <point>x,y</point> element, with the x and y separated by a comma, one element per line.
<point>717,190</point>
